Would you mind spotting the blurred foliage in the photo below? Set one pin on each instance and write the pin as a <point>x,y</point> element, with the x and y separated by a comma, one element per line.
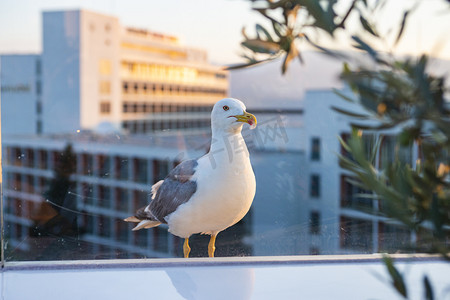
<point>402,96</point>
<point>288,18</point>
<point>398,281</point>
<point>393,95</point>
<point>293,21</point>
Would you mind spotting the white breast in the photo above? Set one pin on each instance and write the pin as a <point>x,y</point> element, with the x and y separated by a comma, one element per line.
<point>226,187</point>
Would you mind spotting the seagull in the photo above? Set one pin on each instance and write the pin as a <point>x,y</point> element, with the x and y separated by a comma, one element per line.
<point>209,194</point>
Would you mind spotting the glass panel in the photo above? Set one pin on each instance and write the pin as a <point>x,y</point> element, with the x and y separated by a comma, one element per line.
<point>93,122</point>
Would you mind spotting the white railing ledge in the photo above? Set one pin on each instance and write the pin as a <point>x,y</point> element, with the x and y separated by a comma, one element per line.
<point>217,261</point>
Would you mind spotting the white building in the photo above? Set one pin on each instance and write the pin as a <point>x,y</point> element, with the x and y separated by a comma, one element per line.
<point>21,93</point>
<point>93,72</point>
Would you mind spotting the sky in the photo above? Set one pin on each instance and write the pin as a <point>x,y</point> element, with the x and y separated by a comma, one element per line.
<point>214,25</point>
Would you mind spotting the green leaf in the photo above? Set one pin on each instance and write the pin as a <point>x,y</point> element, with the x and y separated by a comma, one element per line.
<point>346,68</point>
<point>375,150</point>
<point>406,14</point>
<point>351,114</point>
<point>367,26</point>
<point>374,127</point>
<point>429,295</point>
<point>263,11</point>
<point>327,51</point>
<point>343,143</point>
<point>249,64</point>
<point>397,279</point>
<point>351,8</point>
<point>364,46</point>
<point>260,46</point>
<point>323,19</point>
<point>340,94</point>
<point>278,29</point>
<point>261,29</point>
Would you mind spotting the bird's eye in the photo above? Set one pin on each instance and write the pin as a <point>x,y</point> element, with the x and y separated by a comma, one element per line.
<point>225,108</point>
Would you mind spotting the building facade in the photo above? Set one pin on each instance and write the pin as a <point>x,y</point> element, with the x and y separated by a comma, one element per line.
<point>340,218</point>
<point>112,177</point>
<point>21,93</point>
<point>95,74</point>
<point>111,180</point>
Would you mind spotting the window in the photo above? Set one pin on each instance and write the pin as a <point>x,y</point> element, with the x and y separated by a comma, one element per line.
<point>390,151</point>
<point>105,87</point>
<point>104,196</point>
<point>87,164</point>
<point>38,88</point>
<point>160,169</point>
<point>122,166</point>
<point>391,235</point>
<point>105,107</point>
<point>353,196</point>
<point>29,184</point>
<point>356,234</point>
<point>125,87</point>
<point>314,188</point>
<point>39,107</point>
<point>104,227</point>
<point>315,148</point>
<point>140,170</point>
<point>121,200</point>
<point>38,127</point>
<point>104,166</point>
<point>140,199</point>
<point>314,222</point>
<point>122,231</point>
<point>29,158</point>
<point>38,67</point>
<point>104,67</point>
<point>87,193</point>
<point>141,238</point>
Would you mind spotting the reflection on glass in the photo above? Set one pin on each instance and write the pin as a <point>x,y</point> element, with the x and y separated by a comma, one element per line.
<point>115,117</point>
<point>205,284</point>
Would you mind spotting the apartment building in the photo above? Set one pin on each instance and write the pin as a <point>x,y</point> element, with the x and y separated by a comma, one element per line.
<point>95,74</point>
<point>341,218</point>
<point>112,177</point>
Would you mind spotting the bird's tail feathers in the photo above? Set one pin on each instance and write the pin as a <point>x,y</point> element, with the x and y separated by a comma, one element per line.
<point>146,224</point>
<point>155,188</point>
<point>132,219</point>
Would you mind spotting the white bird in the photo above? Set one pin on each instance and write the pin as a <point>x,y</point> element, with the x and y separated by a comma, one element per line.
<point>209,194</point>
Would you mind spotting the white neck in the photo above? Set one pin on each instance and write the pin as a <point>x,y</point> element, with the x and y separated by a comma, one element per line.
<point>228,146</point>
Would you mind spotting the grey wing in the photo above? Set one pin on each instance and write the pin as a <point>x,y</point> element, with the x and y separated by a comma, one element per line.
<point>177,188</point>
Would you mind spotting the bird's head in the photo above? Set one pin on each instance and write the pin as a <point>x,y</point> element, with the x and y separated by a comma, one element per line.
<point>229,115</point>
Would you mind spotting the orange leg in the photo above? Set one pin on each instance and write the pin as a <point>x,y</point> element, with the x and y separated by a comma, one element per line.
<point>212,245</point>
<point>186,248</point>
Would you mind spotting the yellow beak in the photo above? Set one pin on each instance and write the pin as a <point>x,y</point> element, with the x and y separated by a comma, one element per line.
<point>247,118</point>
